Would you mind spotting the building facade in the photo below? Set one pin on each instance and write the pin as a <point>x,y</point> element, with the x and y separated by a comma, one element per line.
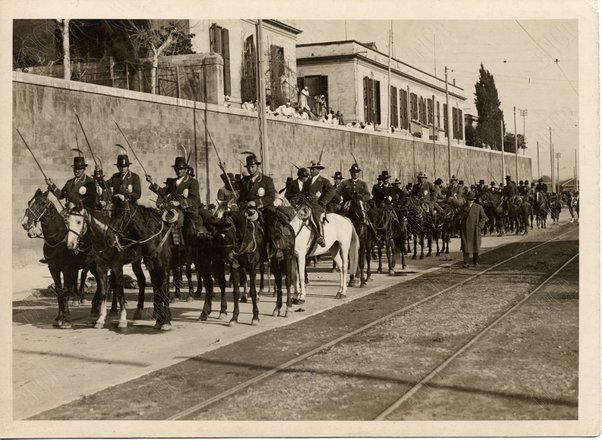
<point>354,78</point>
<point>236,42</point>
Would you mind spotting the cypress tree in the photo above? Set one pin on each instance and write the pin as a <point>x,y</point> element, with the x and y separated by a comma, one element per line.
<point>488,109</point>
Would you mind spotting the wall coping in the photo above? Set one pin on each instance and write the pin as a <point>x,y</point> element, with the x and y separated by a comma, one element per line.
<point>28,78</point>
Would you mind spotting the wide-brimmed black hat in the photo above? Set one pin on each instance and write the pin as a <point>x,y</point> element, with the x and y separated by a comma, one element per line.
<point>180,163</point>
<point>397,182</point>
<point>316,165</point>
<point>355,168</point>
<point>79,163</point>
<point>438,181</point>
<point>303,172</point>
<point>227,176</point>
<point>385,175</point>
<point>481,182</point>
<point>508,178</point>
<point>252,160</point>
<point>470,195</point>
<point>453,179</point>
<point>421,175</point>
<point>337,175</point>
<point>123,161</point>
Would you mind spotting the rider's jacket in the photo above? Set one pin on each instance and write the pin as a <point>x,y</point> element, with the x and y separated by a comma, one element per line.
<point>321,189</point>
<point>348,187</point>
<point>260,189</point>
<point>187,188</point>
<point>127,185</point>
<point>77,189</point>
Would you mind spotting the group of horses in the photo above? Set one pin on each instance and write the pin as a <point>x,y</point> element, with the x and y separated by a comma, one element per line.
<point>236,242</point>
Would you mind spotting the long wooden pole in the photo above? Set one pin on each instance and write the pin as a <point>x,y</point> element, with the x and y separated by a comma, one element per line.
<point>449,159</point>
<point>515,147</point>
<point>502,136</point>
<point>263,141</point>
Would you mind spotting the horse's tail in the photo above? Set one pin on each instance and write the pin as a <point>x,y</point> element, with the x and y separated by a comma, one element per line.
<point>354,250</point>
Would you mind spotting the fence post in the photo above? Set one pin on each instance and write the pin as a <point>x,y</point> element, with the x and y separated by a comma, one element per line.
<point>140,84</point>
<point>111,71</point>
<point>178,81</point>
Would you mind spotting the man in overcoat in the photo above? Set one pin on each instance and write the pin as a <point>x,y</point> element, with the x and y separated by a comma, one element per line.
<point>472,221</point>
<point>123,185</point>
<point>296,186</point>
<point>349,187</point>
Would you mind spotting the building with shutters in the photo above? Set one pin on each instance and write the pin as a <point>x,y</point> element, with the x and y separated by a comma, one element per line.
<point>236,42</point>
<point>353,77</point>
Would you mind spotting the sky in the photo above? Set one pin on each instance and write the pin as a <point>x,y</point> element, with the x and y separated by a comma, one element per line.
<point>520,54</point>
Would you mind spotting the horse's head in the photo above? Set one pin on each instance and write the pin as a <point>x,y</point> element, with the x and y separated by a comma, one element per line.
<point>224,238</point>
<point>36,210</point>
<point>357,209</point>
<point>76,219</point>
<point>226,206</point>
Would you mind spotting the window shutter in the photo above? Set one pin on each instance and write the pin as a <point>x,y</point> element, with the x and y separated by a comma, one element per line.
<point>377,102</point>
<point>393,103</point>
<point>445,120</point>
<point>226,57</point>
<point>366,100</point>
<point>324,87</point>
<point>460,120</point>
<point>212,38</point>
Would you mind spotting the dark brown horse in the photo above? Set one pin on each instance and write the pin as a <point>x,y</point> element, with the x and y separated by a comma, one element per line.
<point>133,233</point>
<point>357,212</point>
<point>61,261</point>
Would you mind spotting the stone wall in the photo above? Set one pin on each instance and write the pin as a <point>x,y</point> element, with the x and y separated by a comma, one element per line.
<point>156,125</point>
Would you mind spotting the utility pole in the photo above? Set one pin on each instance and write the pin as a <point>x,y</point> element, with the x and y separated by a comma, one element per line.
<point>557,173</point>
<point>502,137</point>
<point>449,158</point>
<point>551,159</point>
<point>524,114</point>
<point>435,145</point>
<point>576,171</point>
<point>538,167</point>
<point>263,142</point>
<point>389,78</point>
<point>515,146</point>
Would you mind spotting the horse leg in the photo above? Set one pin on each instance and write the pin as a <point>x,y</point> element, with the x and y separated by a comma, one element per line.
<point>70,280</point>
<point>300,274</point>
<point>344,255</point>
<point>95,309</point>
<point>261,279</point>
<point>207,305</point>
<point>288,263</point>
<point>253,289</point>
<point>275,266</point>
<point>103,283</point>
<point>113,292</point>
<point>119,295</point>
<point>82,286</point>
<point>415,239</point>
<point>161,297</point>
<point>391,256</point>
<point>141,279</point>
<point>235,279</point>
<point>221,281</point>
<point>189,298</point>
<point>380,257</point>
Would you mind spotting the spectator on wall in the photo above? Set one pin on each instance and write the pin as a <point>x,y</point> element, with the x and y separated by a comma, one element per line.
<point>369,127</point>
<point>285,110</point>
<point>303,97</point>
<point>322,106</point>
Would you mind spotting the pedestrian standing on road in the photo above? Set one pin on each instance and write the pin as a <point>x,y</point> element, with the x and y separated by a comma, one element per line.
<point>472,221</point>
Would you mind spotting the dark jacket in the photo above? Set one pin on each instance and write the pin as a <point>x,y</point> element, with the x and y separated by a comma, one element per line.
<point>293,189</point>
<point>129,186</point>
<point>347,187</point>
<point>187,190</point>
<point>250,191</point>
<point>321,189</point>
<point>76,190</point>
<point>472,220</point>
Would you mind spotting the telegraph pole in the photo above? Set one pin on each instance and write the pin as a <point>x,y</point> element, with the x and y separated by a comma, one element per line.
<point>389,77</point>
<point>502,136</point>
<point>551,159</point>
<point>449,158</point>
<point>524,114</point>
<point>557,173</point>
<point>435,145</point>
<point>263,141</point>
<point>576,171</point>
<point>515,146</point>
<point>538,167</point>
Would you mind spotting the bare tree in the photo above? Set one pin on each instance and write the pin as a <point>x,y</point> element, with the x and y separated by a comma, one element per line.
<point>152,42</point>
<point>64,27</point>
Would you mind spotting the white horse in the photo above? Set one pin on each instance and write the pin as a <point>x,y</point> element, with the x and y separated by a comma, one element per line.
<point>341,241</point>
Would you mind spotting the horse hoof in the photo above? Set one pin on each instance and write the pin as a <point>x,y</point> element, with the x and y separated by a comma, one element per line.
<point>157,325</point>
<point>276,312</point>
<point>165,327</point>
<point>413,257</point>
<point>112,312</point>
<point>138,314</point>
<point>340,296</point>
<point>297,301</point>
<point>57,323</point>
<point>379,270</point>
<point>72,303</point>
<point>352,283</point>
<point>422,257</point>
<point>203,317</point>
<point>306,280</point>
<point>363,284</point>
<point>83,302</point>
<point>232,323</point>
<point>122,324</point>
<point>175,300</point>
<point>99,325</point>
<point>243,299</point>
<point>190,298</point>
<point>65,325</point>
<point>391,272</point>
<point>289,312</point>
<point>222,315</point>
<point>255,321</point>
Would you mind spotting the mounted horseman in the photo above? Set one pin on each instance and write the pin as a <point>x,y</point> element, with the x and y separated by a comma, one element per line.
<point>322,191</point>
<point>181,192</point>
<point>349,187</point>
<point>124,184</point>
<point>295,187</point>
<point>426,192</point>
<point>385,193</point>
<point>80,188</point>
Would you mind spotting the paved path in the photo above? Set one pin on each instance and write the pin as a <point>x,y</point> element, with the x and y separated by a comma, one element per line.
<point>52,367</point>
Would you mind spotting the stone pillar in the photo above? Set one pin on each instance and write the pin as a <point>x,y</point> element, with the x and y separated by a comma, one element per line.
<point>214,75</point>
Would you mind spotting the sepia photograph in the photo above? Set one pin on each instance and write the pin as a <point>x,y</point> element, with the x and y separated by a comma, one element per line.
<point>352,223</point>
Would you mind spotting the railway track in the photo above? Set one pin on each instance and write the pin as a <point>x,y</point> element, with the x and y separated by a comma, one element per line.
<point>185,403</point>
